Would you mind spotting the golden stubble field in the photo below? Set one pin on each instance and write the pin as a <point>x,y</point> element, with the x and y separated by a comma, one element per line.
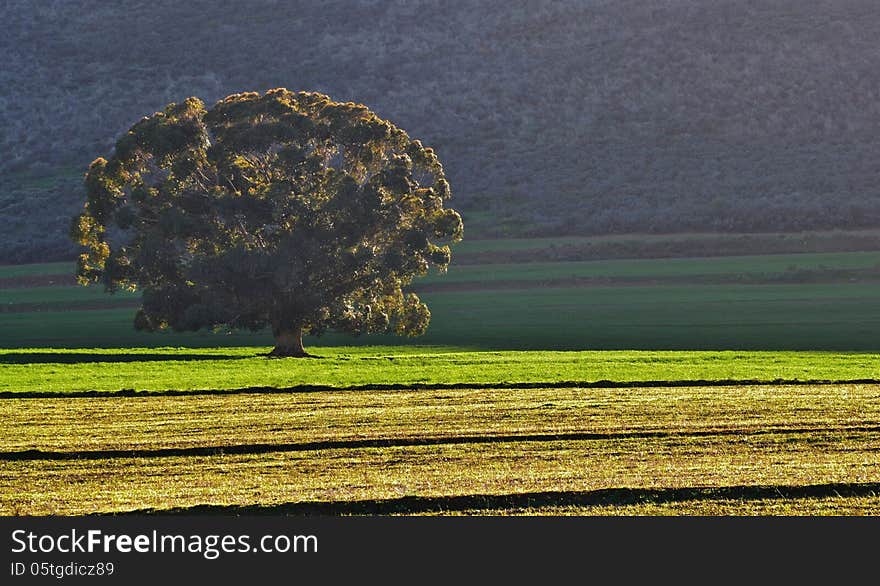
<point>747,449</point>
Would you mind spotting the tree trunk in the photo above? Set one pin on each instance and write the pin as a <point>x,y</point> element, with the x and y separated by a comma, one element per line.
<point>288,343</point>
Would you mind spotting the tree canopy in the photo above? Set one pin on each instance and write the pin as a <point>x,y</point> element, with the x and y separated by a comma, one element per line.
<point>283,209</point>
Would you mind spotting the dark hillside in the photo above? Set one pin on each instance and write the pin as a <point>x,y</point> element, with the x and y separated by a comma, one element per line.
<point>572,116</point>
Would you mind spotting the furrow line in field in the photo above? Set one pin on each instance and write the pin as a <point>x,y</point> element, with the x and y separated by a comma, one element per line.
<point>265,448</point>
<point>416,386</point>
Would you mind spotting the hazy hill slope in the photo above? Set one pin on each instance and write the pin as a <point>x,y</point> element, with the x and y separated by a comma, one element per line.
<point>572,116</point>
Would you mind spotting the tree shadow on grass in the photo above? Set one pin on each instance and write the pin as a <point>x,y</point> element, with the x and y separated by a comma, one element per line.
<point>88,357</point>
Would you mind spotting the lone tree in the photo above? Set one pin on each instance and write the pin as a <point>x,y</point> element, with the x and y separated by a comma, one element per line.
<point>283,209</point>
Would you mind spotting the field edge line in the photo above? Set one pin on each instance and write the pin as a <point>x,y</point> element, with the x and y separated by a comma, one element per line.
<point>617,496</point>
<point>417,386</point>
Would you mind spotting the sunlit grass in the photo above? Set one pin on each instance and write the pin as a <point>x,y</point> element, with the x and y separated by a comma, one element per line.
<point>236,368</point>
<point>485,444</point>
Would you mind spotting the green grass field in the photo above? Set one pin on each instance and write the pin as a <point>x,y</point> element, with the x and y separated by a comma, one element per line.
<point>183,369</point>
<point>27,270</point>
<point>826,316</point>
<point>730,385</point>
<point>732,268</point>
<point>816,301</point>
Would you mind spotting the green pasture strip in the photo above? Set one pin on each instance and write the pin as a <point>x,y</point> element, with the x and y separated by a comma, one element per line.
<point>741,266</point>
<point>817,316</point>
<point>755,267</point>
<point>58,296</point>
<point>307,421</point>
<point>64,297</point>
<point>104,328</point>
<point>83,305</point>
<point>772,317</point>
<point>821,316</point>
<point>184,369</point>
<point>51,268</point>
<point>714,241</point>
<point>664,245</point>
<point>632,268</point>
<point>470,246</point>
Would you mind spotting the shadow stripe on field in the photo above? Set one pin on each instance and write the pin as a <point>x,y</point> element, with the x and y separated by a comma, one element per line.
<point>533,500</point>
<point>265,448</point>
<point>600,384</point>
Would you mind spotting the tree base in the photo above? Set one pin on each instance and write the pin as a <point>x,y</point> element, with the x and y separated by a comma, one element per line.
<point>279,352</point>
<point>288,343</point>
